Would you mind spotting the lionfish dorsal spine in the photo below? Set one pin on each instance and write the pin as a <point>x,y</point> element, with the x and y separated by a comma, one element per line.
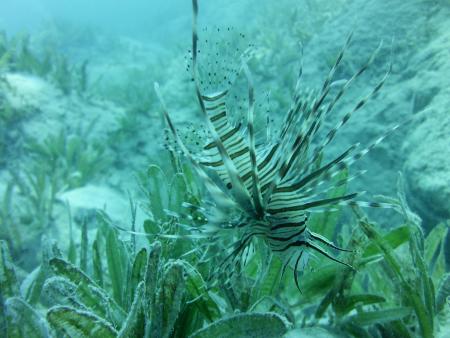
<point>256,191</point>
<point>240,192</point>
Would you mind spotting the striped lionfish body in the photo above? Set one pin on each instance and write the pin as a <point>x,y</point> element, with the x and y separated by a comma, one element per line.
<point>272,185</point>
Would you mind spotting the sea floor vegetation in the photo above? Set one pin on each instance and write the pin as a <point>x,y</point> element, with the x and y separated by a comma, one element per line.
<point>113,286</point>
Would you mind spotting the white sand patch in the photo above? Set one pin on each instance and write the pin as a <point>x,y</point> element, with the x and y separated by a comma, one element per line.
<point>94,198</point>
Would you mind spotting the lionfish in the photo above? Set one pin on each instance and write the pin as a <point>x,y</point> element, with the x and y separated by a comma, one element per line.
<point>272,186</point>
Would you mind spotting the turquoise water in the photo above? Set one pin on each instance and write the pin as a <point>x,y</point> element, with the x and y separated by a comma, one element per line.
<point>290,177</point>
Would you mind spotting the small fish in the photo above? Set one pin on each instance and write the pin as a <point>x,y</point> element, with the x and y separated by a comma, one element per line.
<point>268,188</point>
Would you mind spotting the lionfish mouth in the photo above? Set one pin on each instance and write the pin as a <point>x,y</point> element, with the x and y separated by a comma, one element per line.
<point>276,183</point>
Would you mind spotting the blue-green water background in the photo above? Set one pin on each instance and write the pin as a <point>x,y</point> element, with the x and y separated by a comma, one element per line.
<point>135,43</point>
<point>138,42</point>
<point>129,45</point>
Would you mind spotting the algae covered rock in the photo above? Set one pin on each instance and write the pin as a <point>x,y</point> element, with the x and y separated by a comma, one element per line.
<point>47,107</point>
<point>416,41</point>
<point>427,147</point>
<point>428,168</point>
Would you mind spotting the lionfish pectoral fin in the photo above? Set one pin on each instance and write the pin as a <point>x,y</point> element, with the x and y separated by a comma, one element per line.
<point>326,254</point>
<point>295,271</point>
<point>326,241</point>
<point>285,265</point>
<point>235,255</point>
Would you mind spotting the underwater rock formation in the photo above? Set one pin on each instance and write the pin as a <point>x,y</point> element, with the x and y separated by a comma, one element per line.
<point>416,42</point>
<point>427,147</point>
<point>48,107</point>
